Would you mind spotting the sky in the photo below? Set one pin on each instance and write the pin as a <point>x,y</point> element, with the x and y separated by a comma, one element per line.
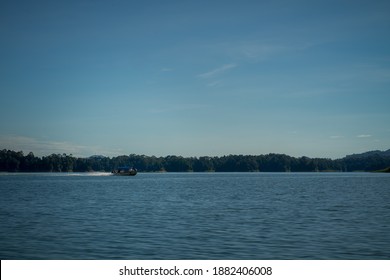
<point>195,78</point>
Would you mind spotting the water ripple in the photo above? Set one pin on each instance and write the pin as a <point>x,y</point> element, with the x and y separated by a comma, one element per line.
<point>195,216</point>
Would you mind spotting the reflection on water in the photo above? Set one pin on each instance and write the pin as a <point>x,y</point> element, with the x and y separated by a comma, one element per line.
<point>195,216</point>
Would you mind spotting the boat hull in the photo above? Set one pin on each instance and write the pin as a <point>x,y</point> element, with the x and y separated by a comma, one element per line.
<point>125,174</point>
<point>121,172</point>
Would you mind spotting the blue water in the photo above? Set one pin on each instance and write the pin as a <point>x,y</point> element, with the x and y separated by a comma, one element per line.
<point>195,216</point>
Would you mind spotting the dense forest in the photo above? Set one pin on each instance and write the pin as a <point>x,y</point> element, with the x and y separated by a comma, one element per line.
<point>11,161</point>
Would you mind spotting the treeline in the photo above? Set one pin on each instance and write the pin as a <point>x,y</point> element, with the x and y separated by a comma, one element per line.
<point>11,161</point>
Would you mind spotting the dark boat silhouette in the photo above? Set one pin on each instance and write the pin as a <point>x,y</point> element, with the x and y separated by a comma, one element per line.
<point>125,171</point>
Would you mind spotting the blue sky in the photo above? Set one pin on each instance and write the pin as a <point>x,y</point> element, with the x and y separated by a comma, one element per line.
<point>194,78</point>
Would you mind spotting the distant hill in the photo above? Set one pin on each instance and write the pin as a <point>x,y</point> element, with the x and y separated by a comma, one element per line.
<point>97,157</point>
<point>370,154</point>
<point>386,170</point>
<point>368,161</point>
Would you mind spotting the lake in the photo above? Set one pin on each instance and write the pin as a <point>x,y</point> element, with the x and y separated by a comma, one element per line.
<point>195,216</point>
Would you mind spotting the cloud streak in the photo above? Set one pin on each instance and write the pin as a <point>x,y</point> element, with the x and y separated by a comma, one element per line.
<point>364,136</point>
<point>217,71</point>
<point>256,51</point>
<point>44,147</point>
<point>178,108</point>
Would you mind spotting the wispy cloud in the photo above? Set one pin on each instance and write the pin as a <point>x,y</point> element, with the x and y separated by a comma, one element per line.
<point>177,108</point>
<point>215,83</point>
<point>336,137</point>
<point>43,147</point>
<point>217,71</point>
<point>364,136</point>
<point>259,50</point>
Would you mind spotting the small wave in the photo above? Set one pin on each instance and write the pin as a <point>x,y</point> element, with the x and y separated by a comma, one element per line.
<point>99,173</point>
<point>89,174</point>
<point>54,174</point>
